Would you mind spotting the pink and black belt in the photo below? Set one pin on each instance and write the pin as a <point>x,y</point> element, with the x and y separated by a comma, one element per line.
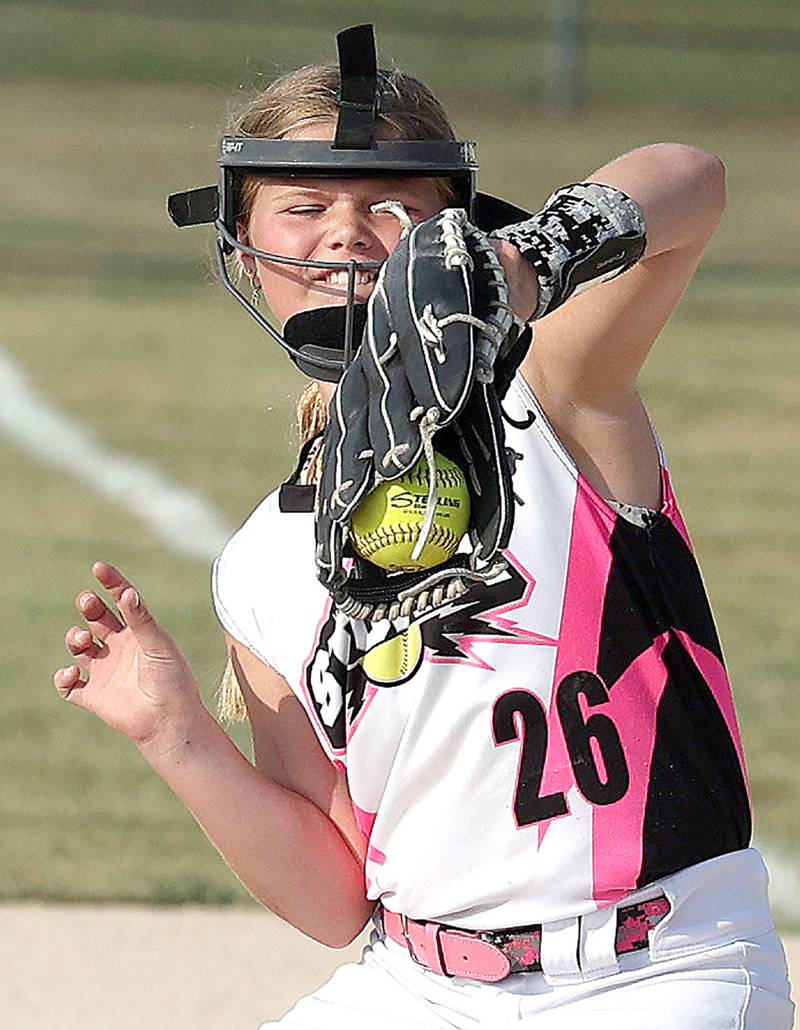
<point>491,955</point>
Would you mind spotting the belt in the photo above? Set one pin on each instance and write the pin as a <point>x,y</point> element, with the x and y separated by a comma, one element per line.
<point>491,955</point>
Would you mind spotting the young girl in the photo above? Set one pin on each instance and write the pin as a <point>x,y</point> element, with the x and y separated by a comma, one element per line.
<point>545,809</point>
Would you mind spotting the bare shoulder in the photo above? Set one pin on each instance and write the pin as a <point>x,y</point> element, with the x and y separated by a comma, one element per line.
<point>285,747</point>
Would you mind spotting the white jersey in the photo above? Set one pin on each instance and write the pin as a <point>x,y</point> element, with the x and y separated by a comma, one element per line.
<point>537,749</point>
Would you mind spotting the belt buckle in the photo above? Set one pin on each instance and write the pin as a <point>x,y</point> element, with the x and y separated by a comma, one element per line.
<point>407,939</point>
<point>493,937</point>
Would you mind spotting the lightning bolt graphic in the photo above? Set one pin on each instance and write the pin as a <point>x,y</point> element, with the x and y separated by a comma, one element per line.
<point>457,647</point>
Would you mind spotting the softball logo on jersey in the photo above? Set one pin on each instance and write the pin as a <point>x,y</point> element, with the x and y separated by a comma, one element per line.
<point>395,660</point>
<point>351,660</point>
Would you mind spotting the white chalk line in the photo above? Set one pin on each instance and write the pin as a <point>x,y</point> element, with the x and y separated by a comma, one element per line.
<point>183,519</point>
<point>191,526</point>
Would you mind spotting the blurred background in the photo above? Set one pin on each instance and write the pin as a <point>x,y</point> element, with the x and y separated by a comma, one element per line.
<point>143,415</point>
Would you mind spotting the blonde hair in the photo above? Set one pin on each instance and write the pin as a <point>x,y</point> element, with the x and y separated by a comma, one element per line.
<point>407,110</point>
<point>312,413</point>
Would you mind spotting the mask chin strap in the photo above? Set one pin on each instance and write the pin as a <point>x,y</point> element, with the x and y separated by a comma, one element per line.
<point>315,338</point>
<point>357,97</point>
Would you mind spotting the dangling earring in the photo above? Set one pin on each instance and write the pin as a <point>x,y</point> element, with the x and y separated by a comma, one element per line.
<point>256,295</point>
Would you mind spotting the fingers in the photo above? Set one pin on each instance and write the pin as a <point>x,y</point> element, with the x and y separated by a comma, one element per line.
<point>94,609</point>
<point>87,643</point>
<point>111,578</point>
<point>68,683</point>
<point>81,643</point>
<point>154,641</point>
<point>98,615</point>
<point>102,621</point>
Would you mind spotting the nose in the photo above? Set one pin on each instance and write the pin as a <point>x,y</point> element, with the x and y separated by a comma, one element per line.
<point>351,233</point>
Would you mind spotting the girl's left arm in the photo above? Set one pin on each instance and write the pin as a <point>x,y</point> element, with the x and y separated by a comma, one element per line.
<point>590,350</point>
<point>586,355</point>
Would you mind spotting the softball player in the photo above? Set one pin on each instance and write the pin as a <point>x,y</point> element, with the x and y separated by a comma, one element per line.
<point>535,786</point>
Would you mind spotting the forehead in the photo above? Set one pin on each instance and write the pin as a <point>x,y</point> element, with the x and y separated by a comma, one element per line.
<point>409,186</point>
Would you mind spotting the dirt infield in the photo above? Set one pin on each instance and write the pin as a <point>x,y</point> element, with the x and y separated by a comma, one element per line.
<point>81,967</point>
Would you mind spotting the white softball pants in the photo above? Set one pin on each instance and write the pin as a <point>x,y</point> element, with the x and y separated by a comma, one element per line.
<point>714,963</point>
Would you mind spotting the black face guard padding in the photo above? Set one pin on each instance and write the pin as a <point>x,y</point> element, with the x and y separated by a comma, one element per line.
<point>322,342</point>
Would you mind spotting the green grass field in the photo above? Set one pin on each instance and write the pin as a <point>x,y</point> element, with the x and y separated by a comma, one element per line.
<point>117,323</point>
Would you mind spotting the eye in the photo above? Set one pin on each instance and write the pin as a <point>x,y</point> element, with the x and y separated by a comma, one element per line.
<point>415,212</point>
<point>409,207</point>
<point>305,209</point>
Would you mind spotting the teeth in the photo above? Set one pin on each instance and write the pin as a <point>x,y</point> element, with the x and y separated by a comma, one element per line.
<point>339,277</point>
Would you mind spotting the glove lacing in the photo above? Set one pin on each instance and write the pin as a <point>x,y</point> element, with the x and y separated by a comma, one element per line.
<point>428,424</point>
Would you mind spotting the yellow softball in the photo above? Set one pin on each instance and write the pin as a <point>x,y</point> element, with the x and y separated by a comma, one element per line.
<point>386,525</point>
<point>395,660</point>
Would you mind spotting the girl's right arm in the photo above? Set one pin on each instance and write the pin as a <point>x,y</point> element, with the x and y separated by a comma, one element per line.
<point>288,852</point>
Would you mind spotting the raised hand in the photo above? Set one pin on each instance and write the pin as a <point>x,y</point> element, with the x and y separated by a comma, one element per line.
<point>129,670</point>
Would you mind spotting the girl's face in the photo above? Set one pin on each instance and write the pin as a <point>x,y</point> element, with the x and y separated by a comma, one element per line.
<point>327,220</point>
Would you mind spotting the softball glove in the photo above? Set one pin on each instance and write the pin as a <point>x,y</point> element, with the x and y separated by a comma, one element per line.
<point>439,350</point>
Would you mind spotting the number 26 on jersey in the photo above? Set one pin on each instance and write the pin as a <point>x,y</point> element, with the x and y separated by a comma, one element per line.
<point>592,741</point>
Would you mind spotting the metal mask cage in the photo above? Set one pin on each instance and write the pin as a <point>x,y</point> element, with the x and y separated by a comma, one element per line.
<point>322,343</point>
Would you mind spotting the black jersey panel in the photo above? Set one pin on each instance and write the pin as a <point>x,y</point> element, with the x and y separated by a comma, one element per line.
<point>697,805</point>
<point>632,617</point>
<point>684,603</point>
<point>654,585</point>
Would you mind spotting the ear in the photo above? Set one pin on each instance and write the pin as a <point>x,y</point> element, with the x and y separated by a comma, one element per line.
<point>247,261</point>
